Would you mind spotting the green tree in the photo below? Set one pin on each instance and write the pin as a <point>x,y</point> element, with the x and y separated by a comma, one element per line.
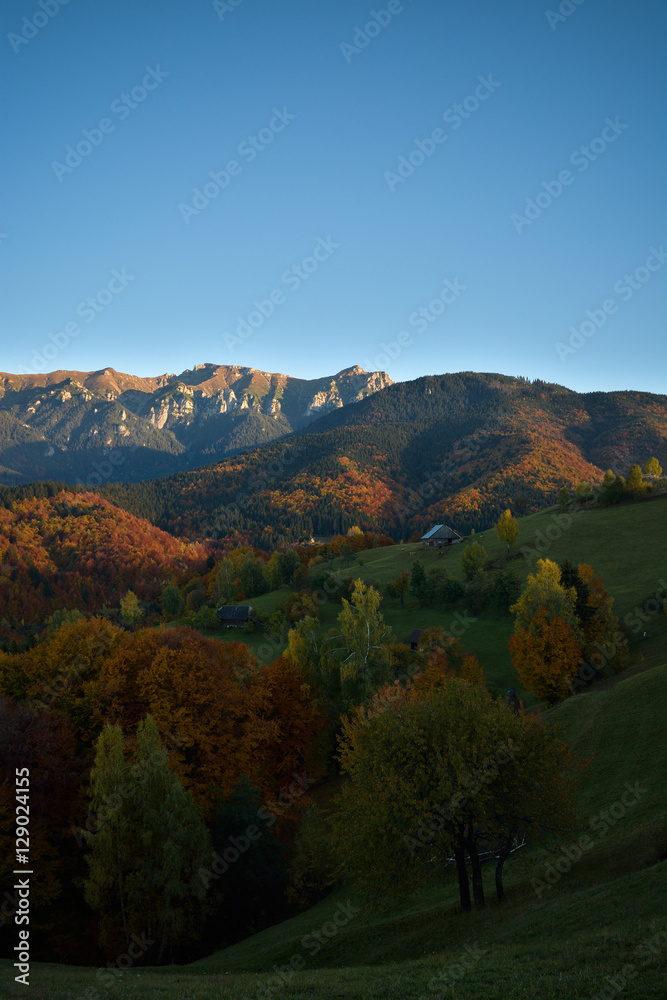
<point>436,581</point>
<point>612,490</point>
<point>170,846</point>
<point>226,584</point>
<point>196,598</point>
<point>652,467</point>
<point>63,616</point>
<point>172,600</point>
<point>504,592</point>
<point>507,529</point>
<point>111,840</point>
<point>287,564</point>
<point>400,587</point>
<point>253,581</point>
<point>437,775</point>
<point>149,845</point>
<point>130,611</point>
<point>361,645</point>
<point>472,560</point>
<point>635,483</point>
<point>310,652</point>
<point>452,591</point>
<point>563,497</point>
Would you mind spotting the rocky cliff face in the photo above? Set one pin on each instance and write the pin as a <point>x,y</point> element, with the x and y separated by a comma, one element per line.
<point>61,424</point>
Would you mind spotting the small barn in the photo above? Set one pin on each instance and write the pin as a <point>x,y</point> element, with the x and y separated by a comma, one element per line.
<point>440,535</point>
<point>234,615</point>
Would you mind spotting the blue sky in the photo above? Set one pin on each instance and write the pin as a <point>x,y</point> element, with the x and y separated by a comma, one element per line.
<point>310,252</point>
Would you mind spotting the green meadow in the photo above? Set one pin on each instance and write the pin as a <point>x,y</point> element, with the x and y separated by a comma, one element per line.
<point>586,913</point>
<point>623,544</point>
<point>570,925</point>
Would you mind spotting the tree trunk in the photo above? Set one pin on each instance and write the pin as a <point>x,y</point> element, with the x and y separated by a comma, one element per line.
<point>500,891</point>
<point>477,881</point>
<point>502,858</point>
<point>464,885</point>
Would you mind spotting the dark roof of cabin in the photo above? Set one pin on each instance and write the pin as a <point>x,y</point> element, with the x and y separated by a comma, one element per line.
<point>415,635</point>
<point>234,612</point>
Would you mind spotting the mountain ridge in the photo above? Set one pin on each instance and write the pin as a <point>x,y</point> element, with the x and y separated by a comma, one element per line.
<point>64,424</point>
<point>457,447</point>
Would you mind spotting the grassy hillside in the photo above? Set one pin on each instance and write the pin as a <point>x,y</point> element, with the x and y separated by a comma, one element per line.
<point>604,917</point>
<point>621,543</point>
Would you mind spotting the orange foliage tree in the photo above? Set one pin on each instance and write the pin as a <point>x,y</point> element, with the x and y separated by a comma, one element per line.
<point>223,714</point>
<point>546,645</point>
<point>545,656</point>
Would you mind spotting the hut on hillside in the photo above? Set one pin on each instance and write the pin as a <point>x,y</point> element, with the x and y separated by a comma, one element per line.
<point>234,615</point>
<point>440,535</point>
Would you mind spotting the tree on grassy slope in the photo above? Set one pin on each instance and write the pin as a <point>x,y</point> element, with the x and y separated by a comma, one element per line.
<point>359,649</point>
<point>546,645</point>
<point>441,775</point>
<point>507,529</point>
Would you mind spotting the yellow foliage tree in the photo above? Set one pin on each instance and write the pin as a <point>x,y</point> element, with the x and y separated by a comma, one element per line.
<point>507,529</point>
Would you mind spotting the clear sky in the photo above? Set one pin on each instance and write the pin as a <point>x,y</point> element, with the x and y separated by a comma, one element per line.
<point>400,185</point>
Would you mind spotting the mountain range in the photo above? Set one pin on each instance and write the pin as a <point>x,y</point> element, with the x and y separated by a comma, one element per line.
<point>67,425</point>
<point>265,459</point>
<point>458,448</point>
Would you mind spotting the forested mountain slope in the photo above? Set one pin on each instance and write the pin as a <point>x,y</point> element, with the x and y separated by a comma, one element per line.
<point>458,447</point>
